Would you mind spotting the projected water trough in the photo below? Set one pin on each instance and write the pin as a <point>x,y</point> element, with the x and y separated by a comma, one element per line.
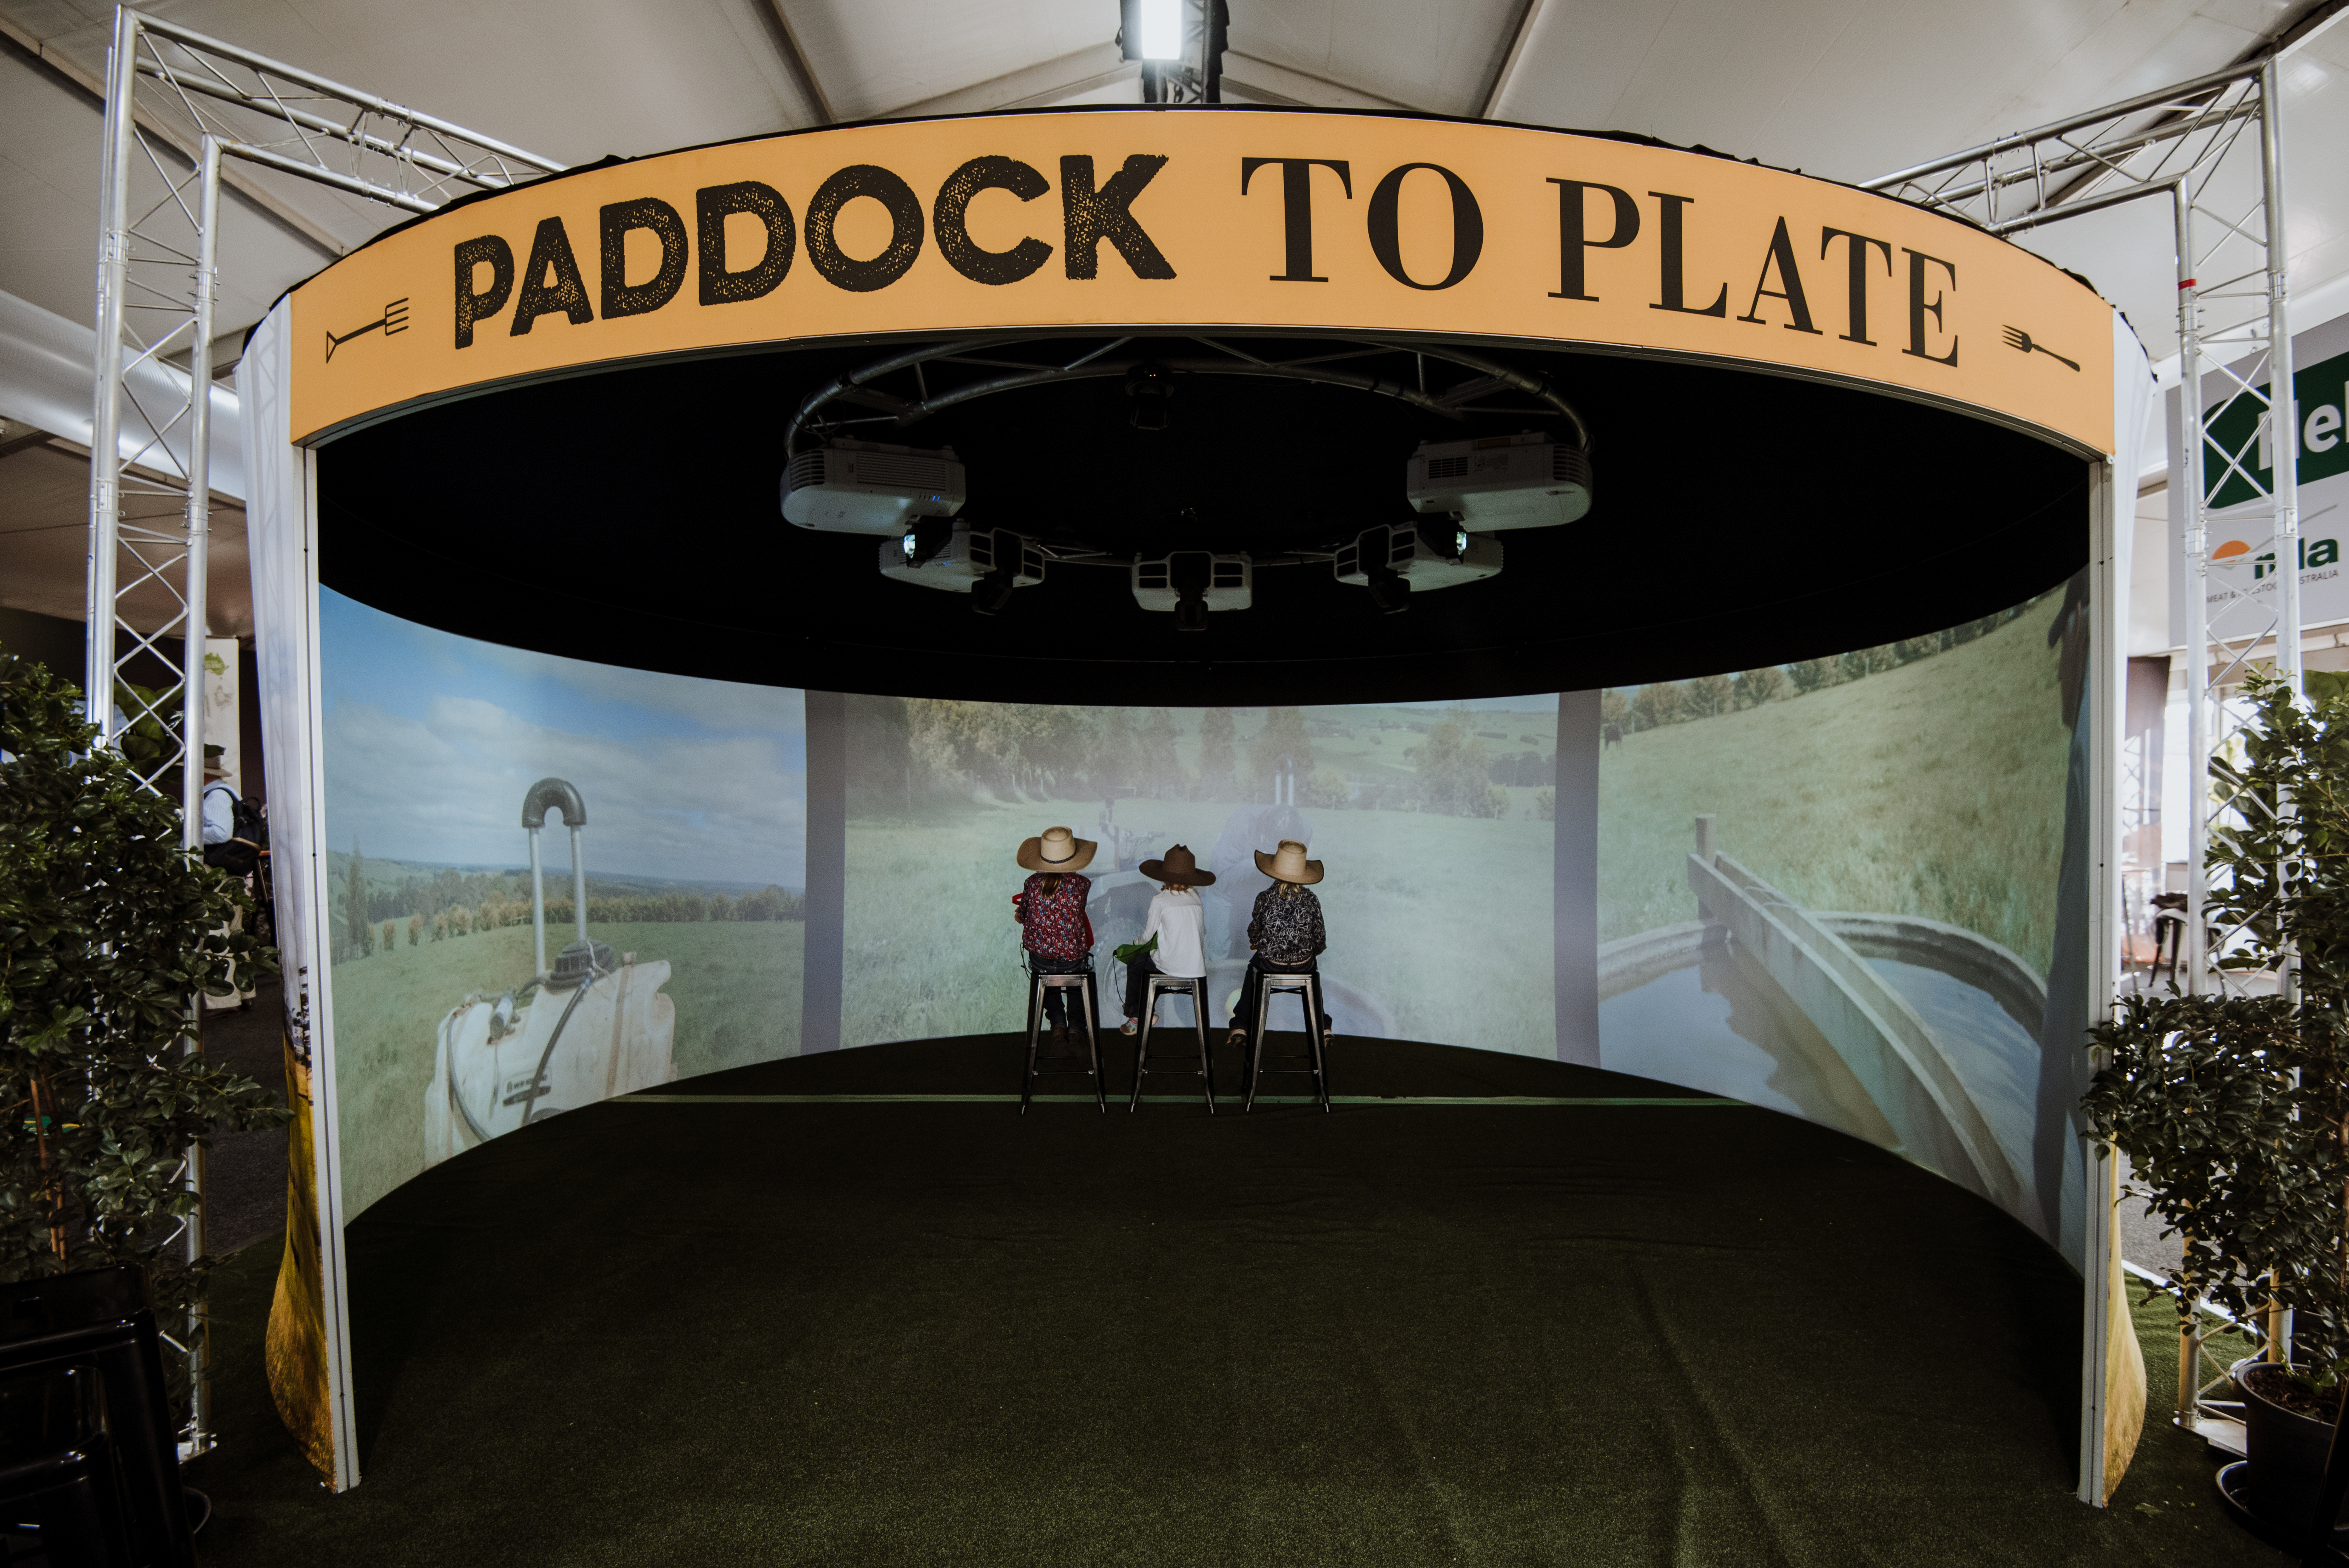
<point>1913,1034</point>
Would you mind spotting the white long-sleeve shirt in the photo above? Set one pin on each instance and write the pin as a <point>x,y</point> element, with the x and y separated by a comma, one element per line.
<point>1179,922</point>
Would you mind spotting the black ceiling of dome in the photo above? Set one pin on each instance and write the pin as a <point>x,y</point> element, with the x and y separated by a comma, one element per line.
<point>632,517</point>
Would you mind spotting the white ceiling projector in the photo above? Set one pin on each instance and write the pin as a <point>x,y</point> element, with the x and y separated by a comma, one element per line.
<point>1526,480</point>
<point>867,487</point>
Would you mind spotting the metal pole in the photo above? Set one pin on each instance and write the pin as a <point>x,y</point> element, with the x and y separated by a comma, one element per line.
<point>2283,473</point>
<point>2198,584</point>
<point>105,430</point>
<point>205,284</point>
<point>2283,408</point>
<point>537,905</point>
<point>578,885</point>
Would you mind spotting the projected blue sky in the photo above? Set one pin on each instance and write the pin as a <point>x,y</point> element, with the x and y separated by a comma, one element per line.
<point>432,740</point>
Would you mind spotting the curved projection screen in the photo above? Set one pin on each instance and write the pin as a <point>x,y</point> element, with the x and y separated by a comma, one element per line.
<point>1850,888</point>
<point>695,847</point>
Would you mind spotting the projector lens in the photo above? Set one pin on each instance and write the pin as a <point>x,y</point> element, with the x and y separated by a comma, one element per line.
<point>1459,542</point>
<point>909,545</point>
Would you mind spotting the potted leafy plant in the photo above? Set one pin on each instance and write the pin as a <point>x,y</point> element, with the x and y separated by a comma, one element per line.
<point>108,928</point>
<point>2234,1109</point>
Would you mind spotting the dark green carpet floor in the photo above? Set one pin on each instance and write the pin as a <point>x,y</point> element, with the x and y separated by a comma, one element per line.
<point>836,1334</point>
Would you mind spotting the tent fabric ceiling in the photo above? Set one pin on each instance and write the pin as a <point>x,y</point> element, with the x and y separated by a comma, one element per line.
<point>1841,89</point>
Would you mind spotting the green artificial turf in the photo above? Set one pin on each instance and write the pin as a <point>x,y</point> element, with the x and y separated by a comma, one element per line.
<point>941,1333</point>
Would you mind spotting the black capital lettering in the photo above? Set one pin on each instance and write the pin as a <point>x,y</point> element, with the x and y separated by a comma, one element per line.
<point>712,205</point>
<point>1859,244</point>
<point>1296,208</point>
<point>551,282</point>
<point>471,306</point>
<point>1674,285</point>
<point>1920,308</point>
<point>1781,255</point>
<point>1090,215</point>
<point>661,221</point>
<point>839,268</point>
<point>1386,227</point>
<point>1574,236</point>
<point>950,219</point>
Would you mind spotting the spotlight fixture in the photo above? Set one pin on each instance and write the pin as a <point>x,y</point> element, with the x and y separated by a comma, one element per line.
<point>1192,584</point>
<point>1524,481</point>
<point>868,487</point>
<point>991,592</point>
<point>1149,388</point>
<point>1390,592</point>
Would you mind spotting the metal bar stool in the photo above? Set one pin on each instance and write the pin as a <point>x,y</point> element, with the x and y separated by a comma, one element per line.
<point>1307,988</point>
<point>1081,982</point>
<point>1173,985</point>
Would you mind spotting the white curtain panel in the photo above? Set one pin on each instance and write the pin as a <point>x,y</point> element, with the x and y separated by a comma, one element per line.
<point>280,524</point>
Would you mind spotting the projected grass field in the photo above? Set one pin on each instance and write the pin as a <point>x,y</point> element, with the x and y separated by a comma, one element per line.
<point>932,949</point>
<point>736,986</point>
<point>1932,789</point>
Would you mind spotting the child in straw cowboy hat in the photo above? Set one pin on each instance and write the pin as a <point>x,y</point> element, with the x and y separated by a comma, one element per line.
<point>1285,932</point>
<point>1053,926</point>
<point>1177,922</point>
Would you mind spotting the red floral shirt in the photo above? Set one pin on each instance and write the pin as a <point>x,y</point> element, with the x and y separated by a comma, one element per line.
<point>1055,926</point>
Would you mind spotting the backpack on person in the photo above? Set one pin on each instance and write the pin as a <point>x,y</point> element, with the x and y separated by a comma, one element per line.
<point>248,835</point>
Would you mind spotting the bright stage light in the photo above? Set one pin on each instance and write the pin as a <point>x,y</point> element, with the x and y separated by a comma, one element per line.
<point>1162,29</point>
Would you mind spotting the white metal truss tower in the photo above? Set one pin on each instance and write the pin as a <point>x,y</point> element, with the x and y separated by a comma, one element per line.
<point>2214,148</point>
<point>177,104</point>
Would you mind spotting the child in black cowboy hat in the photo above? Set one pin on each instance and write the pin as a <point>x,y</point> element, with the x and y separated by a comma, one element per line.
<point>1178,923</point>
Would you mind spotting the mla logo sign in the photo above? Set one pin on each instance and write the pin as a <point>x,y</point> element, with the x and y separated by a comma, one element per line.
<point>2313,552</point>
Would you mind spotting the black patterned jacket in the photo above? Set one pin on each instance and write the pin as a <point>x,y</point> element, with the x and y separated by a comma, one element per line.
<point>1287,930</point>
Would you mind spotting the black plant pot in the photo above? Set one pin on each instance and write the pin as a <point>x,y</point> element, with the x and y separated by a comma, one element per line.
<point>2283,1471</point>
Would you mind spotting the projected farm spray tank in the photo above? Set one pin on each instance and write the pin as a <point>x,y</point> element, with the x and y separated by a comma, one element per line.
<point>594,1026</point>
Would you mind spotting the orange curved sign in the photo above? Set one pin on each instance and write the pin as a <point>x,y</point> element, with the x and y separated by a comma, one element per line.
<point>1235,219</point>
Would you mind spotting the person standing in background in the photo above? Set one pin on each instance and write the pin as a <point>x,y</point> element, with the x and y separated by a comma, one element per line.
<point>230,845</point>
<point>1054,930</point>
<point>1179,925</point>
<point>1285,933</point>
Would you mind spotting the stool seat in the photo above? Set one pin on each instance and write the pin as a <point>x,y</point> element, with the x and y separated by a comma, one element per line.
<point>1195,988</point>
<point>1080,981</point>
<point>1305,986</point>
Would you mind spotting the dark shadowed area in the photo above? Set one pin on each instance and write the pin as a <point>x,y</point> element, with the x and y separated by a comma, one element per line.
<point>895,1333</point>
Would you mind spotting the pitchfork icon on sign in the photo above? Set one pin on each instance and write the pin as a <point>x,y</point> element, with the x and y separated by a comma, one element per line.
<point>393,319</point>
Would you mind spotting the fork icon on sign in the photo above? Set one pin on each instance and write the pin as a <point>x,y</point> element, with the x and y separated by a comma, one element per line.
<point>393,319</point>
<point>2020,340</point>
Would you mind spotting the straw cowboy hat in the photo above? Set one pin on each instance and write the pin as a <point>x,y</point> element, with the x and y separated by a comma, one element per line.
<point>1289,864</point>
<point>1180,868</point>
<point>1057,849</point>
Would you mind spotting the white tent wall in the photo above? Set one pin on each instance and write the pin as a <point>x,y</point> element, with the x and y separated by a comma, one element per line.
<point>282,523</point>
